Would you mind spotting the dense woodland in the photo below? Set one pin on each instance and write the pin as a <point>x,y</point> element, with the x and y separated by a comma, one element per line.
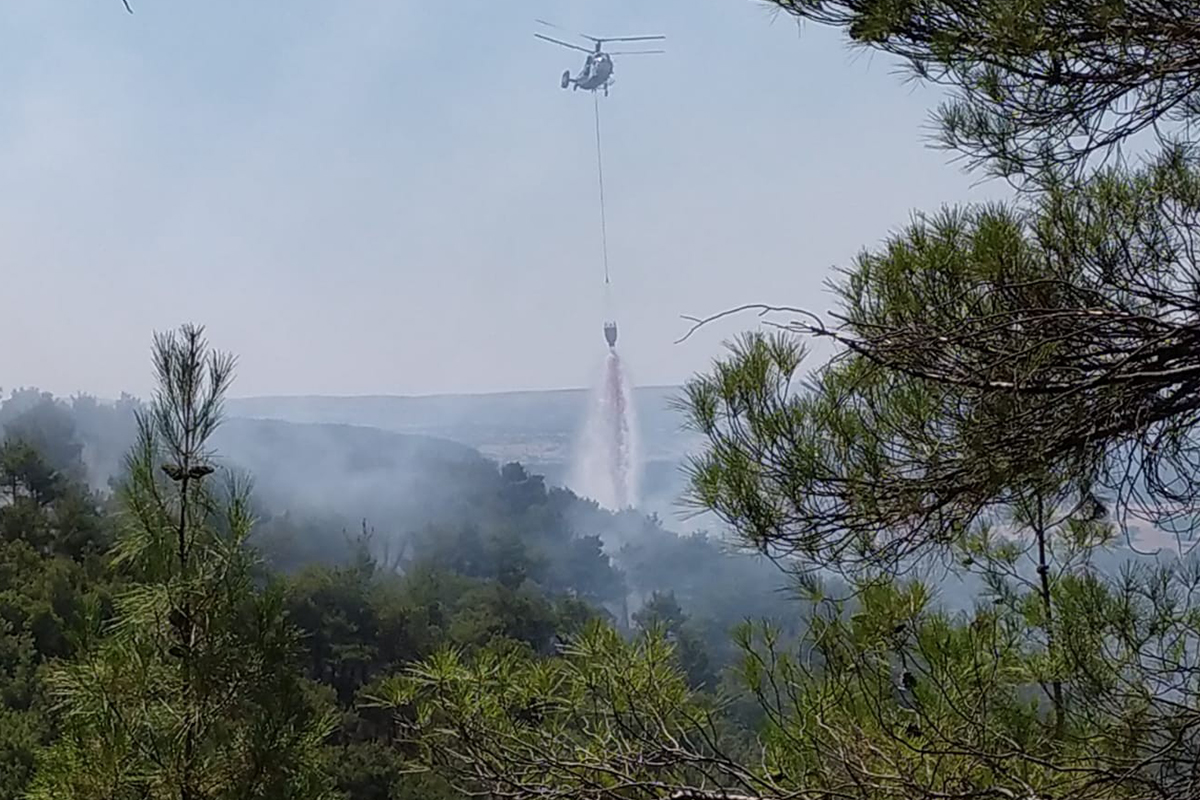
<point>508,561</point>
<point>1012,405</point>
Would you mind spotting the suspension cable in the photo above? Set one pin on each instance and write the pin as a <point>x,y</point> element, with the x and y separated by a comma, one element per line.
<point>600,173</point>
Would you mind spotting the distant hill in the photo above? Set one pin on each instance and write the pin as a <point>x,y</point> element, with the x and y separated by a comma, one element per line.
<point>483,421</point>
<point>382,456</point>
<point>539,429</point>
<point>348,469</point>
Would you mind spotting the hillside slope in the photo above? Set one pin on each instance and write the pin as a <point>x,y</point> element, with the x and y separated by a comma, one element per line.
<point>539,429</point>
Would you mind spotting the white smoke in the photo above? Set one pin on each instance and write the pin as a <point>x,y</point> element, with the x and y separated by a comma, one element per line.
<point>607,462</point>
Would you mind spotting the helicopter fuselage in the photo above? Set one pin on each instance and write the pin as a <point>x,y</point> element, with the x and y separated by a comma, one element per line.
<point>597,72</point>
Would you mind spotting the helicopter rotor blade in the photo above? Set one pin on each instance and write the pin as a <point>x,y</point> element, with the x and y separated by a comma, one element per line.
<point>599,39</point>
<point>562,43</point>
<point>625,38</point>
<point>564,30</point>
<point>635,52</point>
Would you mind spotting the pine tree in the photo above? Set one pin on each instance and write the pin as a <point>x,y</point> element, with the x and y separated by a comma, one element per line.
<point>191,692</point>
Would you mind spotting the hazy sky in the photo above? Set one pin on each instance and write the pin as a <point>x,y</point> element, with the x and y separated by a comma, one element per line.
<point>380,196</point>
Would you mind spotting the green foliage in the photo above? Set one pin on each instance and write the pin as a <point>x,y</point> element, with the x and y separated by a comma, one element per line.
<point>662,615</point>
<point>361,623</point>
<point>885,695</point>
<point>913,702</point>
<point>43,426</point>
<point>520,531</point>
<point>376,770</point>
<point>191,691</point>
<point>989,352</point>
<point>592,721</point>
<point>52,585</point>
<point>45,601</point>
<point>24,475</point>
<point>1036,85</point>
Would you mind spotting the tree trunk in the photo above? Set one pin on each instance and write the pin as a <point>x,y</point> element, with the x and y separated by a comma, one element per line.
<point>1043,569</point>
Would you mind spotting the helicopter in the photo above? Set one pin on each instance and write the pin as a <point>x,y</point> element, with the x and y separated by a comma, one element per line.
<point>597,72</point>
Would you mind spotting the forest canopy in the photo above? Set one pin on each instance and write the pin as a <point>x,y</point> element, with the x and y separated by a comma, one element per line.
<point>497,559</point>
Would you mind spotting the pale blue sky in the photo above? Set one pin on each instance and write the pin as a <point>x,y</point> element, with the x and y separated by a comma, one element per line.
<point>365,197</point>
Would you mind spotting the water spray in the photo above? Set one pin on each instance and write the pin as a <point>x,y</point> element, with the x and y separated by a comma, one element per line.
<point>606,466</point>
